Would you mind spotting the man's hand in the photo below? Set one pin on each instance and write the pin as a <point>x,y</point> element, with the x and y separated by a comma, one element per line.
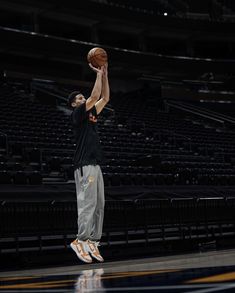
<point>97,70</point>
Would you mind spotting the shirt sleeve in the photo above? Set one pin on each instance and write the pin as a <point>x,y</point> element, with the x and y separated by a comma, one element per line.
<point>79,114</point>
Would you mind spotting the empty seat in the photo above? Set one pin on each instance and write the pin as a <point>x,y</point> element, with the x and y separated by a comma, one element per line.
<point>3,158</point>
<point>20,178</point>
<point>5,177</point>
<point>2,141</point>
<point>137,179</point>
<point>148,179</point>
<point>69,172</point>
<point>34,155</point>
<point>35,178</point>
<point>17,148</point>
<point>115,179</point>
<point>106,179</point>
<point>126,179</point>
<point>54,164</point>
<point>14,166</point>
<point>2,166</point>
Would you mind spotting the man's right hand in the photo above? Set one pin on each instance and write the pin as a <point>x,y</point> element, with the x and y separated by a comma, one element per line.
<point>97,70</point>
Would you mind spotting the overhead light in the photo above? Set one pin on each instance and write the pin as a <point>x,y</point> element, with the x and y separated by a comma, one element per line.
<point>165,13</point>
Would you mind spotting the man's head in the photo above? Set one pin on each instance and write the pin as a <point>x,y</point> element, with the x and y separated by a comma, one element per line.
<point>76,99</point>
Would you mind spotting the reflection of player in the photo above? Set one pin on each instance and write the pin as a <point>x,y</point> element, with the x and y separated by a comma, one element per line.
<point>88,175</point>
<point>89,280</point>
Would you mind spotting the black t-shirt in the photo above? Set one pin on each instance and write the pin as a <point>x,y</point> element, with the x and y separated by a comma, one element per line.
<point>88,149</point>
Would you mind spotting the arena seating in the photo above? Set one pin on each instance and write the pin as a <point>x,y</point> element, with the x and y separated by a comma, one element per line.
<point>143,145</point>
<point>169,176</point>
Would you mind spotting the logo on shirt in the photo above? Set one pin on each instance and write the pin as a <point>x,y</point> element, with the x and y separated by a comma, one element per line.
<point>92,118</point>
<point>91,179</point>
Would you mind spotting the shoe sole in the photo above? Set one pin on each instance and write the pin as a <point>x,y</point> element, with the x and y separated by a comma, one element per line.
<point>74,248</point>
<point>100,260</point>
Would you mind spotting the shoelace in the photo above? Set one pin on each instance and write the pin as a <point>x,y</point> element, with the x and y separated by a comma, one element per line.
<point>80,245</point>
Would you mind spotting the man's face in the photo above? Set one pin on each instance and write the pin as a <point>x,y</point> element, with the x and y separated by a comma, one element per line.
<point>80,99</point>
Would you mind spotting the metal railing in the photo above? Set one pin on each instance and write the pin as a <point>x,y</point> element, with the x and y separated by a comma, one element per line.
<point>147,221</point>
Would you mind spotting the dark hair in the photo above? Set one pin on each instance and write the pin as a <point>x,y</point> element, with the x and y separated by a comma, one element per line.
<point>71,98</point>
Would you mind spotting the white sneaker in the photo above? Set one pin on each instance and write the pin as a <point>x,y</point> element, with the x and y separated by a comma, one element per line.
<point>81,249</point>
<point>94,250</point>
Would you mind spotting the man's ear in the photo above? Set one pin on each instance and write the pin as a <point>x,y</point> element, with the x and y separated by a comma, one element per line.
<point>73,104</point>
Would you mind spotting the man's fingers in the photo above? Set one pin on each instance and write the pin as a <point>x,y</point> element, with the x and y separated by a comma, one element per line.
<point>97,69</point>
<point>92,67</point>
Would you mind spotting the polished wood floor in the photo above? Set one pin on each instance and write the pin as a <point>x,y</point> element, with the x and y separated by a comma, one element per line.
<point>197,273</point>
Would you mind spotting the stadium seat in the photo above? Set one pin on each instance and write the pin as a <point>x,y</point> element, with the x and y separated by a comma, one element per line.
<point>20,177</point>
<point>5,177</point>
<point>35,178</point>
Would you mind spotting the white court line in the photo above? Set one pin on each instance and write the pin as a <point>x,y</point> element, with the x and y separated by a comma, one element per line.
<point>215,289</point>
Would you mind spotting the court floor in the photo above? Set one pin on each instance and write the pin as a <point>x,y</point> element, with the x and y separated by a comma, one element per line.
<point>197,272</point>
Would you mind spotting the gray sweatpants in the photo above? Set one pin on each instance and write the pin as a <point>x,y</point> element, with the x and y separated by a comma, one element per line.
<point>90,202</point>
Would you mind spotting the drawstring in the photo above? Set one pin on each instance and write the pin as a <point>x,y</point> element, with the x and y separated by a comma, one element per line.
<point>81,171</point>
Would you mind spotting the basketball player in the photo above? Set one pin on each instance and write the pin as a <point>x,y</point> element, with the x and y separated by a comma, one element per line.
<point>87,157</point>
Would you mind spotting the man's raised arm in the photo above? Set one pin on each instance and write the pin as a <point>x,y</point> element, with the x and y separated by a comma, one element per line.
<point>97,88</point>
<point>105,93</point>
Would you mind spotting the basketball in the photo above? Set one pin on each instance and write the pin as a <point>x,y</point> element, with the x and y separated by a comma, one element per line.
<point>97,57</point>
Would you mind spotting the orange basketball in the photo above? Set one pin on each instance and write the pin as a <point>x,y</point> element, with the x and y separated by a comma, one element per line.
<point>97,57</point>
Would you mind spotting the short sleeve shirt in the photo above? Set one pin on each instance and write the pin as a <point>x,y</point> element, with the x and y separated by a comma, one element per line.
<point>88,149</point>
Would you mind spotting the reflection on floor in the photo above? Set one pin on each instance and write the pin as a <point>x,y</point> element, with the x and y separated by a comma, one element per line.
<point>198,273</point>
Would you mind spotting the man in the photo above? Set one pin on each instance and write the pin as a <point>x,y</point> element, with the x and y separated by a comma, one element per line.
<point>88,175</point>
